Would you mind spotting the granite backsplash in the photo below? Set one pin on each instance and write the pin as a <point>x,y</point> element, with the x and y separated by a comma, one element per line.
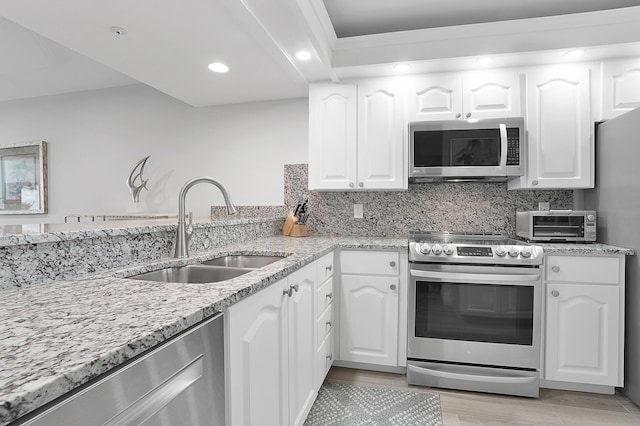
<point>459,207</point>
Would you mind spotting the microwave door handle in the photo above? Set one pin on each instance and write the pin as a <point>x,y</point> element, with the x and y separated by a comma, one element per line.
<point>503,147</point>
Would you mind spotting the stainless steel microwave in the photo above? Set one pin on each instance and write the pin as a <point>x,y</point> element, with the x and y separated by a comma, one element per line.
<point>557,225</point>
<point>457,150</point>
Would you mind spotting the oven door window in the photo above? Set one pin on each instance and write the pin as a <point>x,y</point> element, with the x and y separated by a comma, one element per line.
<point>475,312</point>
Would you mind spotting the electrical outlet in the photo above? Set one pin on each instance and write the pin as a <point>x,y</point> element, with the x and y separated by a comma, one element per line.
<point>358,211</point>
<point>543,206</point>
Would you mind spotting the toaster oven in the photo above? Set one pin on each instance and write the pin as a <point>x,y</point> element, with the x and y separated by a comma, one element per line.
<point>557,225</point>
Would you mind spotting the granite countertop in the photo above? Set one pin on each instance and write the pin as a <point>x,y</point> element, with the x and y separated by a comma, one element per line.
<point>12,235</point>
<point>588,248</point>
<point>58,336</point>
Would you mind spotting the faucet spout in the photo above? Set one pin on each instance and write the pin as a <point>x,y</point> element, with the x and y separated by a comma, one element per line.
<point>182,235</point>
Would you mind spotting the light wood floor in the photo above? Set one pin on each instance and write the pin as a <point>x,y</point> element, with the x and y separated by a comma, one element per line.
<point>553,407</point>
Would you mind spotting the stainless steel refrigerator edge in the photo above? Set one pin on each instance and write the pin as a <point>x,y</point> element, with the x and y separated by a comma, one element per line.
<point>616,198</point>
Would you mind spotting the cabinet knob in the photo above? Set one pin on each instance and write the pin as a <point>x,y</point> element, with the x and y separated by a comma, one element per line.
<point>291,289</point>
<point>351,185</point>
<point>392,263</point>
<point>360,184</point>
<point>329,295</point>
<point>392,286</point>
<point>535,182</point>
<point>458,115</point>
<point>555,293</point>
<point>468,115</point>
<point>555,268</point>
<point>330,357</point>
<point>328,268</point>
<point>329,323</point>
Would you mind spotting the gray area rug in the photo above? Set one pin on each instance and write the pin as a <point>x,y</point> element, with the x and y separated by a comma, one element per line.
<point>340,404</point>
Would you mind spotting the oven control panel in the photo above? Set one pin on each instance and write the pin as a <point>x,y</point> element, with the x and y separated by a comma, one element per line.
<point>466,253</point>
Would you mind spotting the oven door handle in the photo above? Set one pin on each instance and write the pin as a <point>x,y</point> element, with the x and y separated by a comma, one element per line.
<point>468,278</point>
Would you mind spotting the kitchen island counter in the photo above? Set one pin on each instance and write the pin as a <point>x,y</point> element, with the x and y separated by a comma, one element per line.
<point>59,336</point>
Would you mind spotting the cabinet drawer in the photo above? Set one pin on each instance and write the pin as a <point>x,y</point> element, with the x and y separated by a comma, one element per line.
<point>370,262</point>
<point>325,267</point>
<point>324,360</point>
<point>324,296</point>
<point>324,325</point>
<point>583,269</point>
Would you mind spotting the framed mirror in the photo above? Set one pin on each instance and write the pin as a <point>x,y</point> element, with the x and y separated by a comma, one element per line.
<point>23,178</point>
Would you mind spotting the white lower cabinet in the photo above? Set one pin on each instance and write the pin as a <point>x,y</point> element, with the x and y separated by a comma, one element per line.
<point>372,292</point>
<point>369,319</point>
<point>585,319</point>
<point>270,353</point>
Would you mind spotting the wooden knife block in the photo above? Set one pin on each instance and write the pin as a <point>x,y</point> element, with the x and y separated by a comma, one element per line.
<point>292,228</point>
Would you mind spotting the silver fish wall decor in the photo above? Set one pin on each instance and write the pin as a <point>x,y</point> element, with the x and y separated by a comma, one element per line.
<point>136,174</point>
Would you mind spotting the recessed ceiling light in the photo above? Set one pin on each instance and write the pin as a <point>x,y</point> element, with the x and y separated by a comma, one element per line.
<point>303,55</point>
<point>484,61</point>
<point>402,67</point>
<point>573,54</point>
<point>218,67</point>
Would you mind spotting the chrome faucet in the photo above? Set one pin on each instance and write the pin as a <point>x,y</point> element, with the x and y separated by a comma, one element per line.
<point>183,234</point>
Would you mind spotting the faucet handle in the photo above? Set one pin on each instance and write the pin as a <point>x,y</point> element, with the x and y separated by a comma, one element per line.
<point>190,226</point>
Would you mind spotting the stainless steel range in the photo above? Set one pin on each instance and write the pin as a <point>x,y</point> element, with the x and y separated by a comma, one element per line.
<point>474,312</point>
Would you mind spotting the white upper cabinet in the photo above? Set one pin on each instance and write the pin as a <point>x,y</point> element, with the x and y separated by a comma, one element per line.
<point>620,87</point>
<point>560,143</point>
<point>477,95</point>
<point>357,137</point>
<point>434,97</point>
<point>332,136</point>
<point>381,128</point>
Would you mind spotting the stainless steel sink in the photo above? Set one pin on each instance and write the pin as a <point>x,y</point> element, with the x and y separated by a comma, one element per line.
<point>192,274</point>
<point>243,261</point>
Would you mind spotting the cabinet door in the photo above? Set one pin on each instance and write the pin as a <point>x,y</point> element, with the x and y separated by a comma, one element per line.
<point>620,87</point>
<point>257,367</point>
<point>436,97</point>
<point>369,319</point>
<point>332,136</point>
<point>381,137</point>
<point>491,94</point>
<point>560,143</point>
<point>582,333</point>
<point>301,343</point>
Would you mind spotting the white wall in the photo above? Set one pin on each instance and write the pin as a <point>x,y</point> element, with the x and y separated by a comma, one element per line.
<point>96,137</point>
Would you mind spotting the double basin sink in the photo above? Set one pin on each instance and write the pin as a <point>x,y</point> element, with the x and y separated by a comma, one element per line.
<point>210,271</point>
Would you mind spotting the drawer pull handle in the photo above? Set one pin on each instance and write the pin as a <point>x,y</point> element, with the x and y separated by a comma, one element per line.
<point>392,264</point>
<point>328,268</point>
<point>555,268</point>
<point>555,293</point>
<point>329,295</point>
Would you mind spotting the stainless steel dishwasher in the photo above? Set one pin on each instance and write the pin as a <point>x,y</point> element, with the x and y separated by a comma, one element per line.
<point>179,383</point>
